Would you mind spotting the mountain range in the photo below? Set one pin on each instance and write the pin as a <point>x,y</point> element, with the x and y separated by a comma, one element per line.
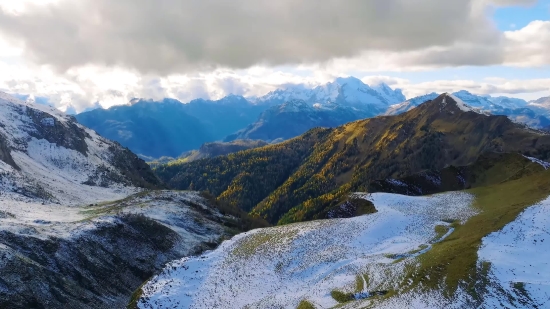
<point>530,113</point>
<point>429,208</point>
<point>169,128</point>
<point>307,177</point>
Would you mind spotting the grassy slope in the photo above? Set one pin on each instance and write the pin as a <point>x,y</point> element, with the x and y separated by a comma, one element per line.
<point>455,259</point>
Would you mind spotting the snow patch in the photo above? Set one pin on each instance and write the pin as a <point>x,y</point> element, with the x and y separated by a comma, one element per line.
<point>49,122</point>
<point>544,164</point>
<point>519,257</point>
<point>463,106</point>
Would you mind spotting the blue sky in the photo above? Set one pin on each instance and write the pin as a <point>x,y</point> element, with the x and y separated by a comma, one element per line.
<point>510,18</point>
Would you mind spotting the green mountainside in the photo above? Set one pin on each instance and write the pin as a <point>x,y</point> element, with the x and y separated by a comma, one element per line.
<point>211,150</point>
<point>308,177</point>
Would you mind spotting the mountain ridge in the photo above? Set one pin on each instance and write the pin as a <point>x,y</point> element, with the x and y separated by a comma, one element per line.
<point>47,154</point>
<point>347,158</point>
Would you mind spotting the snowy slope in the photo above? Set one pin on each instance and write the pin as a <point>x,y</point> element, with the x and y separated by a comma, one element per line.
<point>463,106</point>
<point>519,256</point>
<point>96,256</point>
<point>278,267</point>
<point>47,156</point>
<point>406,106</point>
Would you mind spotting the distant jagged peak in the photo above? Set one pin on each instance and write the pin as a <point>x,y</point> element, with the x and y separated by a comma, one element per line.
<point>345,90</point>
<point>540,103</point>
<point>294,105</point>
<point>393,96</point>
<point>449,99</point>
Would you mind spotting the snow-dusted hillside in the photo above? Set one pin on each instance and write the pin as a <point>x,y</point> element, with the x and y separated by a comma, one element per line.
<point>365,258</point>
<point>55,256</point>
<point>519,256</point>
<point>279,267</point>
<point>46,155</point>
<point>532,114</point>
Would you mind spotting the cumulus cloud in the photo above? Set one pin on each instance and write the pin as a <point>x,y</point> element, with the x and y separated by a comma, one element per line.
<point>169,36</point>
<point>528,46</point>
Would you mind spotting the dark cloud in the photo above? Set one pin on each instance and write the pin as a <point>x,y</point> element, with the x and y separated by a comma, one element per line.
<point>167,36</point>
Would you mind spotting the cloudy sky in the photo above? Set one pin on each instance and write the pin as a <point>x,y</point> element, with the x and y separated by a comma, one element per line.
<point>80,53</point>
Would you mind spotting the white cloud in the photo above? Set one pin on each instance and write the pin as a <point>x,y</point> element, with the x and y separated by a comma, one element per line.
<point>414,44</point>
<point>528,46</point>
<point>183,36</point>
<point>527,89</point>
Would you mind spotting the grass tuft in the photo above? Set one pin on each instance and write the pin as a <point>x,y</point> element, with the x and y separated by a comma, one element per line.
<point>304,304</point>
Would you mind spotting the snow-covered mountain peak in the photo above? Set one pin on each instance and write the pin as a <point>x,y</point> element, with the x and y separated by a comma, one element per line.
<point>460,103</point>
<point>542,103</point>
<point>350,80</point>
<point>391,95</point>
<point>346,91</point>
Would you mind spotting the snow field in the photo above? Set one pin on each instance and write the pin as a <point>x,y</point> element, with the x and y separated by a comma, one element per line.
<point>280,266</point>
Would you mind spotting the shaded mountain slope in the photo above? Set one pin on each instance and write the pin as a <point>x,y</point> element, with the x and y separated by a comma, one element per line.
<point>209,150</point>
<point>152,129</point>
<point>95,257</point>
<point>224,116</point>
<point>489,169</point>
<point>294,118</point>
<point>441,132</point>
